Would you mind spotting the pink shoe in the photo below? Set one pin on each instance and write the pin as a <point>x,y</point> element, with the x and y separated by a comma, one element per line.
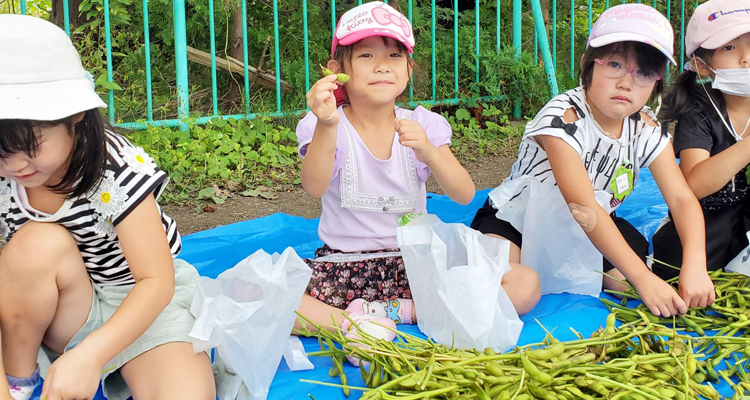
<point>371,326</point>
<point>372,308</point>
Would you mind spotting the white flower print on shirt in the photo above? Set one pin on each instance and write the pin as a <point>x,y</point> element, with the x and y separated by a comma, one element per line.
<point>4,197</point>
<point>139,160</point>
<point>109,198</point>
<point>4,229</point>
<point>104,227</point>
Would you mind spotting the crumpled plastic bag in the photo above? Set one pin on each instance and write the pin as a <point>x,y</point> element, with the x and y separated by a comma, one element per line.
<point>247,313</point>
<point>296,356</point>
<point>741,262</point>
<point>554,244</point>
<point>455,276</point>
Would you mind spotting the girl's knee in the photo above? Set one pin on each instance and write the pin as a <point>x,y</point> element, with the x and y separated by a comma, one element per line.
<point>161,373</point>
<point>38,245</point>
<point>527,289</point>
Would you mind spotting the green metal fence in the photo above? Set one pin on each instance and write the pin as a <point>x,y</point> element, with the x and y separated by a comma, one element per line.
<point>548,49</point>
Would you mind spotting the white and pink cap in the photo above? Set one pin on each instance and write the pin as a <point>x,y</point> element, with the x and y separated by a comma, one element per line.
<point>634,23</point>
<point>716,23</point>
<point>373,19</point>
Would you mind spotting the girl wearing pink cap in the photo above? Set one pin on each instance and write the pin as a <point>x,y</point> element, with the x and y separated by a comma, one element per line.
<point>368,160</point>
<point>710,102</point>
<point>582,153</point>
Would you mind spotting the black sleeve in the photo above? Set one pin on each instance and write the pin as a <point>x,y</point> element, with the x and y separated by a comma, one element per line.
<point>693,133</point>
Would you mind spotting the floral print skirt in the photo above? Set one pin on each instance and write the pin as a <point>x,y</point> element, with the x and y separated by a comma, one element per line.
<point>340,277</point>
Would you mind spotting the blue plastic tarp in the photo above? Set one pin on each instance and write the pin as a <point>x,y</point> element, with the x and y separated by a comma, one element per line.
<point>217,249</point>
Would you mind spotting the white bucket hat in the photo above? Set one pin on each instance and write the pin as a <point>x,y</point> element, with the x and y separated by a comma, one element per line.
<point>41,76</point>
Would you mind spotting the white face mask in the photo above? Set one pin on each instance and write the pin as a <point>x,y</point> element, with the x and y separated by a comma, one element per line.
<point>732,81</point>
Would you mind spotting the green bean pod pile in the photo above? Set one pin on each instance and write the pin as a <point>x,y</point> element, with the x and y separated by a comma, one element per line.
<point>638,360</point>
<point>728,348</point>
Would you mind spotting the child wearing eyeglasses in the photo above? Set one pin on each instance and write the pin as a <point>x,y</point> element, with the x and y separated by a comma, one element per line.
<point>583,152</point>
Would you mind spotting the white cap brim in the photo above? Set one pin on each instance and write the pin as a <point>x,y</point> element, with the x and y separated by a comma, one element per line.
<point>629,37</point>
<point>48,101</point>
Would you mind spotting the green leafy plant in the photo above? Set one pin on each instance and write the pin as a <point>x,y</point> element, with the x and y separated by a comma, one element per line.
<point>232,154</point>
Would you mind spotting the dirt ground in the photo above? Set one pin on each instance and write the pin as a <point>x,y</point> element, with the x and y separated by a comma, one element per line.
<point>486,172</point>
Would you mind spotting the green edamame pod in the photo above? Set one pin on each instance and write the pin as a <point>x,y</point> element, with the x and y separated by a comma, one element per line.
<point>481,394</point>
<point>345,381</point>
<point>534,372</point>
<point>547,353</point>
<point>693,325</point>
<point>395,364</point>
<point>494,370</point>
<point>340,78</point>
<point>667,392</point>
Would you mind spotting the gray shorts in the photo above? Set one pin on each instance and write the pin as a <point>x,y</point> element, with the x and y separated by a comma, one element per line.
<point>172,325</point>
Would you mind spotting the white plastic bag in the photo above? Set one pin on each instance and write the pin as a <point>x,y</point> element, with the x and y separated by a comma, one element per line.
<point>455,276</point>
<point>247,313</point>
<point>554,245</point>
<point>741,262</point>
<point>295,355</point>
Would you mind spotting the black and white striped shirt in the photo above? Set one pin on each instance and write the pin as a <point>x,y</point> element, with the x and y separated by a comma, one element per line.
<point>639,143</point>
<point>131,175</point>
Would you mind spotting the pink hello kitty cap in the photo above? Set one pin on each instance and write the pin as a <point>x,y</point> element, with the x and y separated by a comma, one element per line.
<point>634,23</point>
<point>373,19</point>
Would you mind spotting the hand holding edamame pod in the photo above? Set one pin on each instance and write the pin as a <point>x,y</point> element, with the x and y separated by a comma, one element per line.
<point>340,78</point>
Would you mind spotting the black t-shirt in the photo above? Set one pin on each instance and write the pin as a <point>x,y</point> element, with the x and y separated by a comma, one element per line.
<point>705,130</point>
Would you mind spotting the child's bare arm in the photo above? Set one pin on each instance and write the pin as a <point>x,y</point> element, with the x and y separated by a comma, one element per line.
<point>706,174</point>
<point>575,186</point>
<point>451,176</point>
<point>449,173</point>
<point>147,252</point>
<point>696,287</point>
<point>317,166</point>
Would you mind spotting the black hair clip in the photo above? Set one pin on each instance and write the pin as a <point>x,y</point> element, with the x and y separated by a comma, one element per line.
<point>570,129</point>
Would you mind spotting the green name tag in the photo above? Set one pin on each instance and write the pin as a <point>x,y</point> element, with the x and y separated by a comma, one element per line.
<point>622,180</point>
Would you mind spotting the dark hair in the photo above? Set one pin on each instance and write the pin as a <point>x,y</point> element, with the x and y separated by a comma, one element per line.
<point>647,57</point>
<point>686,98</point>
<point>88,156</point>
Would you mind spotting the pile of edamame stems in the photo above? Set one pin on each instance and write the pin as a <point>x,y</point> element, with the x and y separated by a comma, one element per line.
<point>646,357</point>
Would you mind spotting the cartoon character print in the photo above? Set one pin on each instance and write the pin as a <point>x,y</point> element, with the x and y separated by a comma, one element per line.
<point>385,17</point>
<point>392,309</point>
<point>372,308</point>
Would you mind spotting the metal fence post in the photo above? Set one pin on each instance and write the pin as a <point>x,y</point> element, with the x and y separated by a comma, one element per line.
<point>517,19</point>
<point>181,64</point>
<point>541,32</point>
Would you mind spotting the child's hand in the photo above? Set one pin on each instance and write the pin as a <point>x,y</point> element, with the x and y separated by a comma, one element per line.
<point>696,287</point>
<point>72,376</point>
<point>660,298</point>
<point>322,102</point>
<point>412,135</point>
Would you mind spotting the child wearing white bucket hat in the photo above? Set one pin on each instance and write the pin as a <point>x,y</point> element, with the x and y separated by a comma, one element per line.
<point>89,270</point>
<point>710,103</point>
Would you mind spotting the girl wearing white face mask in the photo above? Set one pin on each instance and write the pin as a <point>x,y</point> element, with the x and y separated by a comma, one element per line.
<point>711,104</point>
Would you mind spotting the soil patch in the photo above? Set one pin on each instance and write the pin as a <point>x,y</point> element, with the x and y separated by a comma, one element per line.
<point>487,171</point>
